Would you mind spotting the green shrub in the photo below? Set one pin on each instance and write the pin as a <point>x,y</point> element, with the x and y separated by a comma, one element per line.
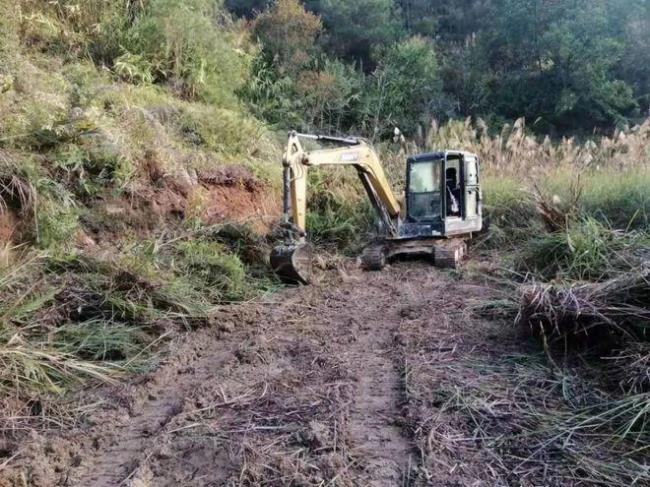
<point>403,88</point>
<point>213,269</point>
<point>241,240</point>
<point>620,198</point>
<point>509,208</point>
<point>133,68</point>
<point>338,216</point>
<point>191,44</point>
<point>229,133</point>
<point>587,250</point>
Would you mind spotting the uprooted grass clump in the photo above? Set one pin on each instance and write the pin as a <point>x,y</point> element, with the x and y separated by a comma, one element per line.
<point>602,314</point>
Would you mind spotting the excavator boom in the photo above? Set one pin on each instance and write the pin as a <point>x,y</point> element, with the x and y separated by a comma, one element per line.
<point>292,260</point>
<point>353,152</point>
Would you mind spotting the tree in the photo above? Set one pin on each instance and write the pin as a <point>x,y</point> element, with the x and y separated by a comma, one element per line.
<point>634,66</point>
<point>554,63</point>
<point>353,28</point>
<point>288,33</point>
<point>330,95</point>
<point>247,8</point>
<point>404,87</point>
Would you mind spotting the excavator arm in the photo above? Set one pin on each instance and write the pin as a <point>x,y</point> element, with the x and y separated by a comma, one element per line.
<point>293,260</point>
<point>353,152</point>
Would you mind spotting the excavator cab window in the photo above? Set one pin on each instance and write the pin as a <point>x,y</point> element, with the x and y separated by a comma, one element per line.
<point>425,190</point>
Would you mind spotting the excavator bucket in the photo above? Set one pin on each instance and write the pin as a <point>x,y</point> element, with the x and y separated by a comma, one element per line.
<point>293,263</point>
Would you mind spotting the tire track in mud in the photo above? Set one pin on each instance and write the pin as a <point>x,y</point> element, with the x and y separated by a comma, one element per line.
<point>306,388</point>
<point>384,449</point>
<point>131,443</point>
<point>375,415</point>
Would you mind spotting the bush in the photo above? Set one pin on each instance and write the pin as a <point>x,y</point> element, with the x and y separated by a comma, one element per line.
<point>620,198</point>
<point>338,215</point>
<point>213,269</point>
<point>586,250</point>
<point>191,44</point>
<point>509,210</point>
<point>288,34</point>
<point>403,88</point>
<point>330,96</point>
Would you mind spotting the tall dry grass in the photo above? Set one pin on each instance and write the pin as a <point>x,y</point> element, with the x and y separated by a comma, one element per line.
<point>515,152</point>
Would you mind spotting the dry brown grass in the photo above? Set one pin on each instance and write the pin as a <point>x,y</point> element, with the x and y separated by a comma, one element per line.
<point>516,152</point>
<point>592,313</point>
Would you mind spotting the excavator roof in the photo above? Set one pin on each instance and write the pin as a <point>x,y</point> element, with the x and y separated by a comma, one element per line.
<point>428,156</point>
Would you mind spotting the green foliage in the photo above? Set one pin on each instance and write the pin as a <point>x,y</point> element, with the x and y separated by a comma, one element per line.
<point>243,241</point>
<point>330,96</point>
<point>271,95</point>
<point>89,166</point>
<point>225,132</point>
<point>288,34</point>
<point>214,269</point>
<point>404,87</point>
<point>570,82</point>
<point>57,221</point>
<point>354,28</point>
<point>179,42</point>
<point>133,68</point>
<point>509,209</point>
<point>586,250</point>
<point>566,66</point>
<point>337,216</point>
<point>620,199</point>
<point>247,8</point>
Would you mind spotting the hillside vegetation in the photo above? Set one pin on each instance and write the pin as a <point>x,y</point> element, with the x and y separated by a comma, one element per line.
<point>123,151</point>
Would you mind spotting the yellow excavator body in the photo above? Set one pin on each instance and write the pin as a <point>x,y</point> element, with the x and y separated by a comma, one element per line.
<point>443,204</point>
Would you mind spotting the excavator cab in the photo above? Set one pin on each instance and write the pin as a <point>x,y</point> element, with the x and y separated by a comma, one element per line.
<point>442,204</point>
<point>442,195</point>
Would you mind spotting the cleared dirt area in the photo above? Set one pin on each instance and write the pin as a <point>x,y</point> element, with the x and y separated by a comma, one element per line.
<point>367,379</point>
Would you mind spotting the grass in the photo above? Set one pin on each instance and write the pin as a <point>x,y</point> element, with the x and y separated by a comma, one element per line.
<point>586,250</point>
<point>526,420</point>
<point>106,104</point>
<point>67,316</point>
<point>103,101</point>
<point>27,370</point>
<point>569,222</point>
<point>96,106</point>
<point>339,217</point>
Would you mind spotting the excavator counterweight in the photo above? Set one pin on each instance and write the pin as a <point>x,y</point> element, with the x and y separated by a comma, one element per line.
<point>441,208</point>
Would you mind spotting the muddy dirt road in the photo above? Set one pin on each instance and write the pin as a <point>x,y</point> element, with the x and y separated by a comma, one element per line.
<point>359,381</point>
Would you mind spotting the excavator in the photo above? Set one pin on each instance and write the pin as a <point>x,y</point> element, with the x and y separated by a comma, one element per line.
<point>440,213</point>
